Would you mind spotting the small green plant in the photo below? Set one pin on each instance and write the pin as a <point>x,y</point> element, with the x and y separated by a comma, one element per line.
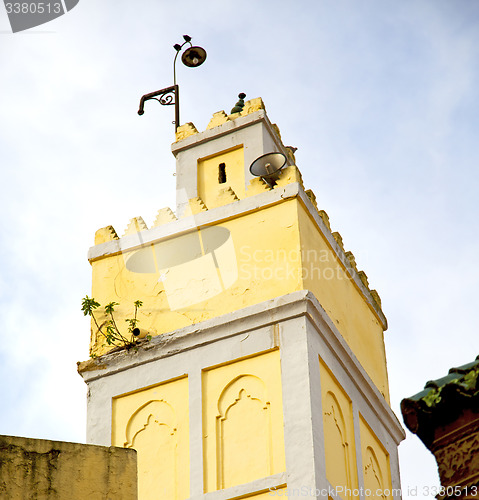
<point>112,333</point>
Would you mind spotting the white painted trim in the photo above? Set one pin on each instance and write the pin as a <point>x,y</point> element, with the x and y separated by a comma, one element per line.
<point>316,413</point>
<point>259,485</point>
<point>195,407</point>
<point>395,477</point>
<point>357,445</point>
<point>297,412</point>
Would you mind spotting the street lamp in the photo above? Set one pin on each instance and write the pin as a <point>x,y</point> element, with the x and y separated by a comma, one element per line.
<point>192,57</point>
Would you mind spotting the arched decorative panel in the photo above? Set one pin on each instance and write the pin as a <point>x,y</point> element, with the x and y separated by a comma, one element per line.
<point>155,422</point>
<point>338,431</point>
<point>243,436</point>
<point>336,443</point>
<point>152,431</point>
<point>373,477</point>
<point>243,429</point>
<point>376,467</point>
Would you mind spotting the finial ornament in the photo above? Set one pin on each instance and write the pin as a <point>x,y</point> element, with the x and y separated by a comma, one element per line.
<point>240,104</point>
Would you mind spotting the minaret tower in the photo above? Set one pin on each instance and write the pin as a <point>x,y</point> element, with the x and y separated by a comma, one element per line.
<point>266,372</point>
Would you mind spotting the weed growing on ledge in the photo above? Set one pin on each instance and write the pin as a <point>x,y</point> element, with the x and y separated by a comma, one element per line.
<point>112,334</point>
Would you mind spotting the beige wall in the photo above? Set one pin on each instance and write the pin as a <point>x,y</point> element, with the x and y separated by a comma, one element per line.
<point>37,468</point>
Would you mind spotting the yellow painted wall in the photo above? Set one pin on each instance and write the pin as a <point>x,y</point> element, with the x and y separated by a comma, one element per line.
<point>264,254</point>
<point>38,468</point>
<point>326,277</point>
<point>338,429</point>
<point>252,265</point>
<point>155,421</point>
<point>208,170</point>
<point>242,421</point>
<point>376,468</point>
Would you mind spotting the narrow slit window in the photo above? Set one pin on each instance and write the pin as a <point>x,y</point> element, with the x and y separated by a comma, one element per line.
<point>222,173</point>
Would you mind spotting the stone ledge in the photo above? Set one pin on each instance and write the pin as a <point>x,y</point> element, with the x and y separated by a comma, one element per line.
<point>297,304</point>
<point>39,468</point>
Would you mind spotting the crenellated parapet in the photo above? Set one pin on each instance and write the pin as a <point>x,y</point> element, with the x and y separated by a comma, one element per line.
<point>105,234</point>
<point>135,225</point>
<point>220,118</point>
<point>164,216</point>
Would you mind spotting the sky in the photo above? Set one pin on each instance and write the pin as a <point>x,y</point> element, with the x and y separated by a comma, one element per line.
<point>379,96</point>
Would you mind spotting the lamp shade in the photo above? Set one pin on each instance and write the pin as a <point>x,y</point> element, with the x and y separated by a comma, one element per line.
<point>194,56</point>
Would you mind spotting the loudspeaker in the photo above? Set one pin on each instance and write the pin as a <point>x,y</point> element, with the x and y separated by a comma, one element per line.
<point>194,56</point>
<point>268,167</point>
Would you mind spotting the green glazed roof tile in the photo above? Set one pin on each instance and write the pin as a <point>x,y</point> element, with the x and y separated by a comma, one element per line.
<point>442,400</point>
